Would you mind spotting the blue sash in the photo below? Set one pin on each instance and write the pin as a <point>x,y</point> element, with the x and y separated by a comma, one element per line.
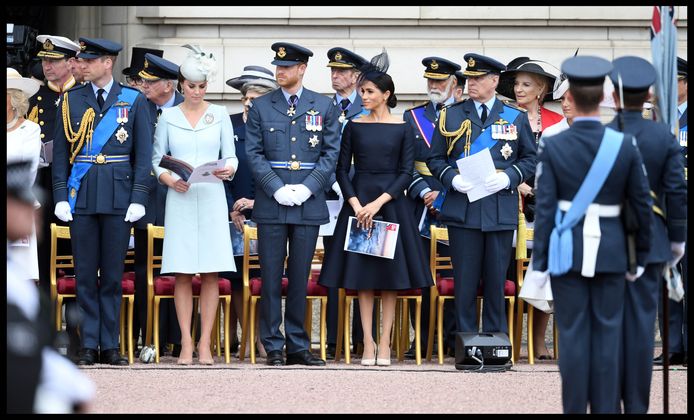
<point>682,137</point>
<point>103,131</point>
<point>561,239</point>
<point>426,127</point>
<point>485,140</point>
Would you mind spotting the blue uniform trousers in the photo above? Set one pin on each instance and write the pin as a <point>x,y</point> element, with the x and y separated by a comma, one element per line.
<point>99,242</point>
<point>272,252</point>
<point>589,313</point>
<point>480,256</point>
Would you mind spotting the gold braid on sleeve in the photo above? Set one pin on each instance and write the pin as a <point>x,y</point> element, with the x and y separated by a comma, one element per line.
<point>522,235</point>
<point>453,136</point>
<point>34,114</point>
<point>83,134</point>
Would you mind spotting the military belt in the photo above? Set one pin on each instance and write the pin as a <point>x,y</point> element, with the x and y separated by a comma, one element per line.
<point>292,165</point>
<point>102,159</point>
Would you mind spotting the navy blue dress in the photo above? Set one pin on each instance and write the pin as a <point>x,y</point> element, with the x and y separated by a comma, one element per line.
<point>383,161</point>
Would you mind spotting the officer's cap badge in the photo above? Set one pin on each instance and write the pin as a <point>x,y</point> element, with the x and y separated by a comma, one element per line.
<point>338,56</point>
<point>48,45</point>
<point>83,46</point>
<point>281,53</point>
<point>471,62</point>
<point>146,63</point>
<point>434,65</point>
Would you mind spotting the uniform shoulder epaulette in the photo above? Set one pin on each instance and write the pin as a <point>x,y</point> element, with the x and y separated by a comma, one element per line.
<point>417,106</point>
<point>455,104</point>
<point>76,87</point>
<point>514,106</point>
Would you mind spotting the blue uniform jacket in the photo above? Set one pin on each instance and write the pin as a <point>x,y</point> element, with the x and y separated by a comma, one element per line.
<point>106,188</point>
<point>157,192</point>
<point>421,152</point>
<point>495,212</point>
<point>564,160</point>
<point>272,135</point>
<point>665,168</point>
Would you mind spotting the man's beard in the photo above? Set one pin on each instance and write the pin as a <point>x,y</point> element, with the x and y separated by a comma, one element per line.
<point>437,97</point>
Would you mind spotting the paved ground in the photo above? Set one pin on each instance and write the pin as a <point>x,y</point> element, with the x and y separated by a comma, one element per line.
<point>338,388</point>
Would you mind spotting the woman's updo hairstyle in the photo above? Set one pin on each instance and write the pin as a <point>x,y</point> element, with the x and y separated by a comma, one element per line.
<point>375,72</point>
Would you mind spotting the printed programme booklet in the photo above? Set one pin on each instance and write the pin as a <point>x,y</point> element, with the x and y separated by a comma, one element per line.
<point>203,173</point>
<point>237,239</point>
<point>379,241</point>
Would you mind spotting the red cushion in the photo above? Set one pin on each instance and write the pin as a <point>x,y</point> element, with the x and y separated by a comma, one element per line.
<point>410,292</point>
<point>350,292</point>
<point>315,289</point>
<point>224,286</point>
<point>66,285</point>
<point>256,284</point>
<point>315,274</point>
<point>128,287</point>
<point>164,285</point>
<point>445,287</point>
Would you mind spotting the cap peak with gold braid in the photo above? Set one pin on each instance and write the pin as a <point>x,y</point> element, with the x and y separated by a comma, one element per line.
<point>343,58</point>
<point>56,47</point>
<point>438,68</point>
<point>479,65</point>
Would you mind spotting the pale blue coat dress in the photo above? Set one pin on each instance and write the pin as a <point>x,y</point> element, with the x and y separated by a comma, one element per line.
<point>196,238</point>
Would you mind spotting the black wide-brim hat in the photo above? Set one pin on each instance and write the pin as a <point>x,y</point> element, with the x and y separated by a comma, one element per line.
<point>526,65</point>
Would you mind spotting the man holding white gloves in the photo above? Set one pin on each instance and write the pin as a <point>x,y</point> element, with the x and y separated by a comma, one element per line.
<point>102,160</point>
<point>292,143</point>
<point>481,232</point>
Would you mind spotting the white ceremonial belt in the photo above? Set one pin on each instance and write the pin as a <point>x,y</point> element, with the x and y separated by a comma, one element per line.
<point>591,232</point>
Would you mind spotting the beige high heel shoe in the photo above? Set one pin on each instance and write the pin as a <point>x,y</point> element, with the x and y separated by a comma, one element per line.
<point>372,361</point>
<point>383,361</point>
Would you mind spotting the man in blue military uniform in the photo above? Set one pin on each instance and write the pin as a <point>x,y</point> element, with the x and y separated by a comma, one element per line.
<point>460,86</point>
<point>677,311</point>
<point>344,71</point>
<point>292,139</point>
<point>481,232</point>
<point>158,83</point>
<point>589,170</point>
<point>57,55</point>
<point>101,168</point>
<point>632,76</point>
<point>424,188</point>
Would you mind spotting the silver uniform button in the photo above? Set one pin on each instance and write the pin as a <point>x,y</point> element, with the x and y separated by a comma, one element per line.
<point>272,129</point>
<point>293,138</point>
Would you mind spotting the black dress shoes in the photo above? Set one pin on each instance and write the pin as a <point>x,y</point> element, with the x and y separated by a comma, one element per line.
<point>88,357</point>
<point>330,351</point>
<point>112,357</point>
<point>674,359</point>
<point>275,358</point>
<point>304,357</point>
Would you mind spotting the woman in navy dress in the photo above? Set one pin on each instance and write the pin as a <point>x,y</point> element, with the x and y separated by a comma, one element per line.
<point>383,152</point>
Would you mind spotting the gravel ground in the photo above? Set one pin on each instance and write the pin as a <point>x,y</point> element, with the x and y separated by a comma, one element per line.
<point>338,388</point>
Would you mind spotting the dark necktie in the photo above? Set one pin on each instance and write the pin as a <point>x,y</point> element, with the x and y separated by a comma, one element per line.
<point>439,106</point>
<point>484,113</point>
<point>292,105</point>
<point>158,112</point>
<point>100,97</point>
<point>344,104</point>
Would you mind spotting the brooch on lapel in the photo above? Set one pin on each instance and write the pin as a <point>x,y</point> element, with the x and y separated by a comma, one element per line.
<point>506,151</point>
<point>209,118</point>
<point>121,135</point>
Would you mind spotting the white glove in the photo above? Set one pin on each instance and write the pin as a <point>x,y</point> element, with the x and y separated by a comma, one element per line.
<point>460,185</point>
<point>633,277</point>
<point>301,193</point>
<point>497,182</point>
<point>284,196</point>
<point>677,249</point>
<point>135,212</point>
<point>337,189</point>
<point>62,211</point>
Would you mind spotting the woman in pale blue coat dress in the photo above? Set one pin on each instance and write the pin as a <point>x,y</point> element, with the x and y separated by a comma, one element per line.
<point>197,233</point>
